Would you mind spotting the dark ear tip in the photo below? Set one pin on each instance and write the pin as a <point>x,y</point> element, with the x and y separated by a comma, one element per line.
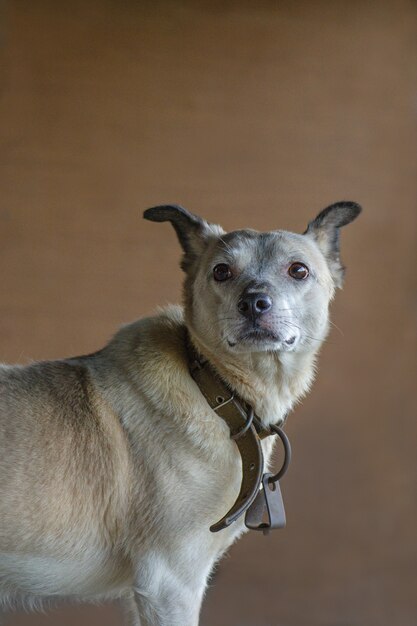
<point>335,216</point>
<point>339,214</point>
<point>163,212</point>
<point>149,214</point>
<point>353,207</point>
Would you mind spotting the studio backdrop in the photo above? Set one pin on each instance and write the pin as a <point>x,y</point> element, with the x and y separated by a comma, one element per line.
<point>251,114</point>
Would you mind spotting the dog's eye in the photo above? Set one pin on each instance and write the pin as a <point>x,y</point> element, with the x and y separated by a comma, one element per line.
<point>299,271</point>
<point>222,272</point>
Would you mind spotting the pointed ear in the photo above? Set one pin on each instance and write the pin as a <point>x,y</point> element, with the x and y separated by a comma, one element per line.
<point>325,230</point>
<point>192,231</point>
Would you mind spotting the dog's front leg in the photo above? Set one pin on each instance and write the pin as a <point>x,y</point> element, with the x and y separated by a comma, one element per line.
<point>166,600</point>
<point>167,610</point>
<point>130,611</point>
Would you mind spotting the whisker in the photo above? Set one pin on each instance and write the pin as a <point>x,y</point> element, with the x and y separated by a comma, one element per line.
<point>292,325</point>
<point>337,328</point>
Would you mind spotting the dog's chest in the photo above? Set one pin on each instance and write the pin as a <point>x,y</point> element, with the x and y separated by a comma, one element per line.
<point>197,489</point>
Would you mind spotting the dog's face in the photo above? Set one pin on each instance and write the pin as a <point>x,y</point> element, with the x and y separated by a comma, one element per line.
<point>261,291</point>
<point>247,291</point>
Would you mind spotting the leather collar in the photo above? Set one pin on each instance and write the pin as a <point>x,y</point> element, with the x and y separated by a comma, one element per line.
<point>259,496</point>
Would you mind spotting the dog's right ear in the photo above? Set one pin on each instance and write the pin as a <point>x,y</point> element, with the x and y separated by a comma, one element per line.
<point>192,231</point>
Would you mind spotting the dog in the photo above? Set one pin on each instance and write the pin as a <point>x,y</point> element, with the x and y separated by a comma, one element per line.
<point>113,465</point>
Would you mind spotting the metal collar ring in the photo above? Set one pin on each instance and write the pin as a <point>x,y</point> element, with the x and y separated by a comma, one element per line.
<point>287,453</point>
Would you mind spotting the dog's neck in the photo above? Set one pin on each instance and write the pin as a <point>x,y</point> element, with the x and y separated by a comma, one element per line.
<point>271,382</point>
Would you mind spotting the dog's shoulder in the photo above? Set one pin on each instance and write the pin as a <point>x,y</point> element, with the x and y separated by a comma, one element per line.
<point>149,359</point>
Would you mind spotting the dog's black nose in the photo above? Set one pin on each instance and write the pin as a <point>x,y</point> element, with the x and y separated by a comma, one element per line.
<point>253,305</point>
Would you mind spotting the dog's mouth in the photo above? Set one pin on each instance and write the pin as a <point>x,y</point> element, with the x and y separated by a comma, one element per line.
<point>259,334</point>
<point>263,338</point>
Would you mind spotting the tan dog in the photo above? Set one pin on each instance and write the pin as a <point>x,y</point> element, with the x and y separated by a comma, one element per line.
<point>113,465</point>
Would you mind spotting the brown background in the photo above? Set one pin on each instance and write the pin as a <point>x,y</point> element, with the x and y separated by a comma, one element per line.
<point>252,114</point>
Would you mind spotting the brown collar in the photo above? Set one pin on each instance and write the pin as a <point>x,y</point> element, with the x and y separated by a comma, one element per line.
<point>260,495</point>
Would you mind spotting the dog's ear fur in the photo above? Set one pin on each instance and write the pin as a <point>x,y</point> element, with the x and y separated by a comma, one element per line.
<point>192,231</point>
<point>325,230</point>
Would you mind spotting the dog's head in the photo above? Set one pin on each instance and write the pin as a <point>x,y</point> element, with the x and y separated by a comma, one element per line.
<point>247,291</point>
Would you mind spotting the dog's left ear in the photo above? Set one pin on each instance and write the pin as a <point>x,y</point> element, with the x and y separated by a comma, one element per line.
<point>192,231</point>
<point>325,230</point>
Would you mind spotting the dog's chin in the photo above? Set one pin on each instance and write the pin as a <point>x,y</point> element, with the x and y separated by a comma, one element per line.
<point>262,340</point>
